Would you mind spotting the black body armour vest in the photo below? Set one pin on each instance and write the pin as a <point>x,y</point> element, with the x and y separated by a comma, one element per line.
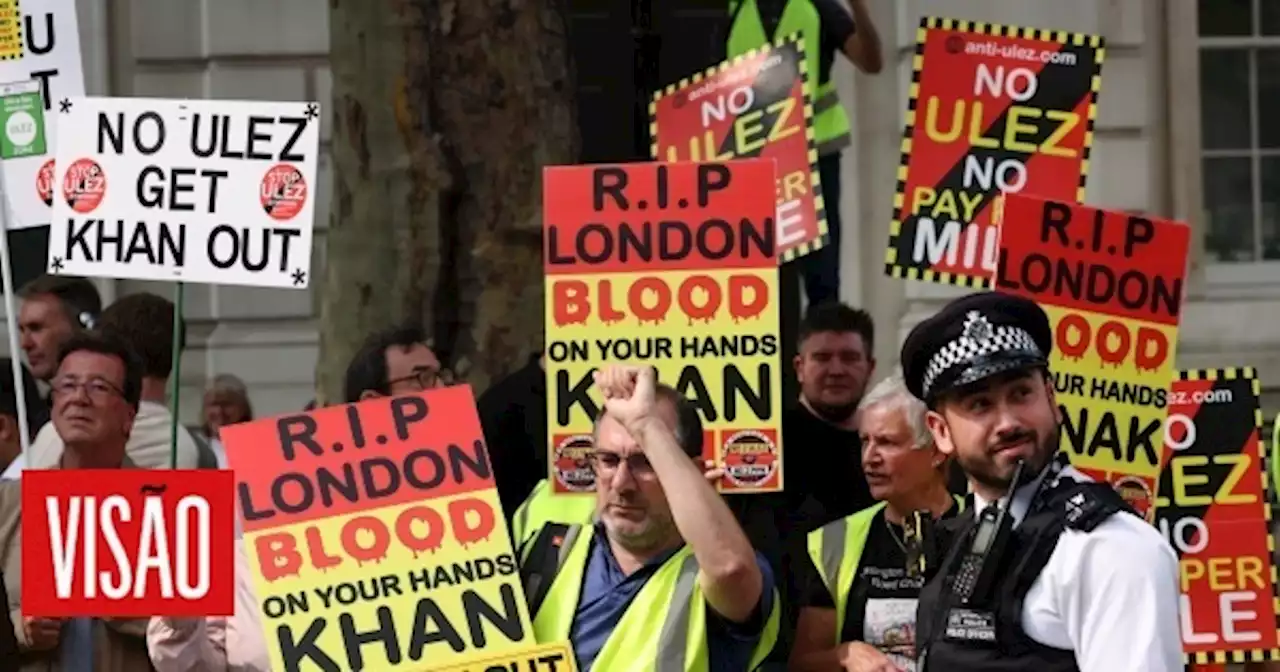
<point>986,635</point>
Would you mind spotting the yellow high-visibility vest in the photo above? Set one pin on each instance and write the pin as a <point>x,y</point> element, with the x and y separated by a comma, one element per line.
<point>543,506</point>
<point>663,630</point>
<point>836,549</point>
<point>830,123</point>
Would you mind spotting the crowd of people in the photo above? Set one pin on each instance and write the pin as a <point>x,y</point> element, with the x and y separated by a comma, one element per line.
<point>842,570</point>
<point>929,521</point>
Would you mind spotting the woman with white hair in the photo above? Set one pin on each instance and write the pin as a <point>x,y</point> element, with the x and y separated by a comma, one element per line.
<point>226,402</point>
<point>859,610</point>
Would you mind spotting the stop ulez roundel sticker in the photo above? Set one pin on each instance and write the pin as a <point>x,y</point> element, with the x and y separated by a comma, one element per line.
<point>44,182</point>
<point>84,185</point>
<point>284,192</point>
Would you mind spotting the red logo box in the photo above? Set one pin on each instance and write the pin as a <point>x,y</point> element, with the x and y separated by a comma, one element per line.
<point>160,543</point>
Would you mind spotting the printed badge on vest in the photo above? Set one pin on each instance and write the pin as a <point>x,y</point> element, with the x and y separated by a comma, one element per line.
<point>971,626</point>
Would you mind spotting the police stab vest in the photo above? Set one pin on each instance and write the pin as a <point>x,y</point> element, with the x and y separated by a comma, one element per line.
<point>746,32</point>
<point>836,549</point>
<point>988,637</point>
<point>663,630</point>
<point>543,506</point>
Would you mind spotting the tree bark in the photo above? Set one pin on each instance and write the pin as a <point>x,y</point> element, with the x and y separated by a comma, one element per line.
<point>445,112</point>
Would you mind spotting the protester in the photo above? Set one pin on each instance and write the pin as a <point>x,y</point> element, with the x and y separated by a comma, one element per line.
<point>392,361</point>
<point>145,322</point>
<point>400,361</point>
<point>827,28</point>
<point>865,572</point>
<point>226,402</point>
<point>10,433</point>
<point>54,308</point>
<point>214,644</point>
<point>545,506</point>
<point>822,448</point>
<point>1083,582</point>
<point>96,392</point>
<point>513,413</point>
<point>620,589</point>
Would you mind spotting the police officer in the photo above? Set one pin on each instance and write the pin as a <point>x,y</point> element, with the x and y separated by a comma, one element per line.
<point>1047,571</point>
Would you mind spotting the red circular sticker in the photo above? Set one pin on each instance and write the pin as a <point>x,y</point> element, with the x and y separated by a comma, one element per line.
<point>1135,493</point>
<point>44,182</point>
<point>750,459</point>
<point>284,192</point>
<point>84,185</point>
<point>573,463</point>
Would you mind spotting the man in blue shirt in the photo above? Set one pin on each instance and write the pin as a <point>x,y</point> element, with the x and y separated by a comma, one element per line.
<point>665,572</point>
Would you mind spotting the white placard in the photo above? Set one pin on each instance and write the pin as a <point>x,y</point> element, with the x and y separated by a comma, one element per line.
<point>46,49</point>
<point>192,190</point>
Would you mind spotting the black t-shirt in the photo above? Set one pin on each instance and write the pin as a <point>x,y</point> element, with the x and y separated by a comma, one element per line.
<point>837,26</point>
<point>881,606</point>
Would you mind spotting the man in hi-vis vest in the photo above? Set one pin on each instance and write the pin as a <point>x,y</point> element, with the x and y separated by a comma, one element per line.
<point>664,580</point>
<point>827,28</point>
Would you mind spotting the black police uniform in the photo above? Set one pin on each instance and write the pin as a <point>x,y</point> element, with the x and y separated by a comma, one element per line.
<point>970,340</point>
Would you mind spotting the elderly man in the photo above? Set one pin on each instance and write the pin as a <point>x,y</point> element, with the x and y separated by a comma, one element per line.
<point>96,390</point>
<point>666,578</point>
<point>867,569</point>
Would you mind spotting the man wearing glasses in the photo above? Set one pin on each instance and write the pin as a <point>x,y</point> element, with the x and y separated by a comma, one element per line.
<point>392,362</point>
<point>143,321</point>
<point>96,391</point>
<point>664,575</point>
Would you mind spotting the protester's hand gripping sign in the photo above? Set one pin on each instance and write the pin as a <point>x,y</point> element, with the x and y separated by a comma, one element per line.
<point>186,190</point>
<point>1112,284</point>
<point>127,542</point>
<point>40,44</point>
<point>992,109</point>
<point>670,265</point>
<point>1212,506</point>
<point>756,105</point>
<point>376,536</point>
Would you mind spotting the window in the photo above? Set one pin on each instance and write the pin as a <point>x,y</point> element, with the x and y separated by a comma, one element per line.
<point>1240,129</point>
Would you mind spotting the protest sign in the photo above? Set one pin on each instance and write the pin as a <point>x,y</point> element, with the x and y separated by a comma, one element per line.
<point>670,265</point>
<point>127,542</point>
<point>186,190</point>
<point>556,657</point>
<point>992,109</point>
<point>758,104</point>
<point>1112,285</point>
<point>376,537</point>
<point>39,43</point>
<point>1212,506</point>
<point>21,121</point>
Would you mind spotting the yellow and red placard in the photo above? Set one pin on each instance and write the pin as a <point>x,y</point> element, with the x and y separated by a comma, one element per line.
<point>992,109</point>
<point>1112,284</point>
<point>378,517</point>
<point>10,30</point>
<point>127,543</point>
<point>1213,508</point>
<point>760,105</point>
<point>557,657</point>
<point>669,265</point>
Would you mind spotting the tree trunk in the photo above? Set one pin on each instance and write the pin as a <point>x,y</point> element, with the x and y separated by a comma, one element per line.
<point>445,112</point>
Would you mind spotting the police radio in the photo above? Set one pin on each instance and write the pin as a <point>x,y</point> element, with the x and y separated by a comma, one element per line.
<point>991,534</point>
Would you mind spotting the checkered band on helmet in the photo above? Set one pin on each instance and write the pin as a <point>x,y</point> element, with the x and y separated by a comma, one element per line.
<point>979,340</point>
